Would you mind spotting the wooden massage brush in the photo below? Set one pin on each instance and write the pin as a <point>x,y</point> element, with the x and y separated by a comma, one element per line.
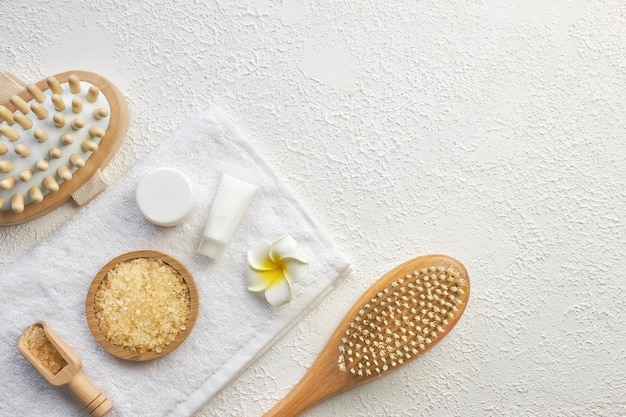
<point>54,136</point>
<point>60,366</point>
<point>399,318</point>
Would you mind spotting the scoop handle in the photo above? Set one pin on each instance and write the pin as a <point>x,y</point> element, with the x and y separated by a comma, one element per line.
<point>93,400</point>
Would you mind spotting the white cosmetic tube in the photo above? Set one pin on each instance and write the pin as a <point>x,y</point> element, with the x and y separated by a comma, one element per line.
<point>231,201</point>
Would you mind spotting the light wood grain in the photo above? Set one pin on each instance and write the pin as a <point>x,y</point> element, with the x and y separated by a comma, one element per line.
<point>42,164</point>
<point>324,379</point>
<point>40,135</point>
<point>89,145</point>
<point>57,101</point>
<point>77,161</point>
<point>20,104</point>
<point>6,115</point>
<point>64,173</point>
<point>35,194</point>
<point>39,110</point>
<point>55,152</point>
<point>50,183</point>
<point>8,183</point>
<point>9,133</point>
<point>54,85</point>
<point>100,113</point>
<point>126,354</point>
<point>109,145</point>
<point>26,175</point>
<point>6,166</point>
<point>59,120</point>
<point>17,203</point>
<point>77,105</point>
<point>67,139</point>
<point>36,93</point>
<point>74,83</point>
<point>22,150</point>
<point>95,403</point>
<point>77,124</point>
<point>23,121</point>
<point>92,94</point>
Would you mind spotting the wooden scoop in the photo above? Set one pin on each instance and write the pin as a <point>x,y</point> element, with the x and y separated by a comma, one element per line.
<point>400,317</point>
<point>60,366</point>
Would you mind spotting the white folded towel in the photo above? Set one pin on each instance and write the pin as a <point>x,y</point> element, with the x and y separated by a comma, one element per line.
<point>234,326</point>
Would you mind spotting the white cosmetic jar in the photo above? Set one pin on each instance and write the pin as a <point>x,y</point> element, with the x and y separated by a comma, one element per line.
<point>165,197</point>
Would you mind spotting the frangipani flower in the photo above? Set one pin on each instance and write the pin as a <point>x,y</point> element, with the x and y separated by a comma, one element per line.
<point>273,269</point>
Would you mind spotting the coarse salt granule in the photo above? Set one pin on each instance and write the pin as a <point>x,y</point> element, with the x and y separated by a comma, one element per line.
<point>141,305</point>
<point>39,345</point>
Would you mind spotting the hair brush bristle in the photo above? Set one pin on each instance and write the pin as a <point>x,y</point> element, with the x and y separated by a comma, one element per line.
<point>401,320</point>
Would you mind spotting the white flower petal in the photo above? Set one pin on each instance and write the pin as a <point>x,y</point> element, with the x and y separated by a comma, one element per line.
<point>258,256</point>
<point>295,269</point>
<point>260,280</point>
<point>278,293</point>
<point>284,246</point>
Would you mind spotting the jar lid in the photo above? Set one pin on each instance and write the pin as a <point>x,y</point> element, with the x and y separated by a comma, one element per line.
<point>165,197</point>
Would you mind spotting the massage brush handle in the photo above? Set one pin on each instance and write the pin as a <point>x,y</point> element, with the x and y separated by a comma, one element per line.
<point>92,399</point>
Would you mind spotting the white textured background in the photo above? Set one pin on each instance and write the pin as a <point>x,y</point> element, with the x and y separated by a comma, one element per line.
<point>489,130</point>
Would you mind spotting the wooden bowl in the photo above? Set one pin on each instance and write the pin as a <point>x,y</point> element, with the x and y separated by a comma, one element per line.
<point>124,353</point>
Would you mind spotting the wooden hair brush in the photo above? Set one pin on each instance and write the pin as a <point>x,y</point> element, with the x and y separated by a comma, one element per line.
<point>54,136</point>
<point>400,317</point>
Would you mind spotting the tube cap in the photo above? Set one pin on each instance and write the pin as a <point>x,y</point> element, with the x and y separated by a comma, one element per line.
<point>211,248</point>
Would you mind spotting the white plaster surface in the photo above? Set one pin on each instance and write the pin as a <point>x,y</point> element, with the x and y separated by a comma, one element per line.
<point>491,131</point>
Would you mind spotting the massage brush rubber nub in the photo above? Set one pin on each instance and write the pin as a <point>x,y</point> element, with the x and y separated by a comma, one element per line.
<point>54,135</point>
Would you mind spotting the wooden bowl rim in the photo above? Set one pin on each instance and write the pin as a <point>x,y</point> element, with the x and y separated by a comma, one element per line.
<point>180,337</point>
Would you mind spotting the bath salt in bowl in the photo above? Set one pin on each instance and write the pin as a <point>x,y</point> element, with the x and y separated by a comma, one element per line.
<point>142,305</point>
